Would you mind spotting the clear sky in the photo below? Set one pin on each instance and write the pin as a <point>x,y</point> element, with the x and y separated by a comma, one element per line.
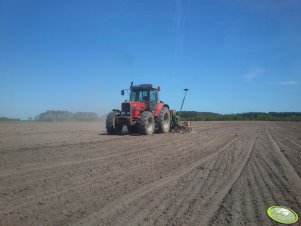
<point>233,55</point>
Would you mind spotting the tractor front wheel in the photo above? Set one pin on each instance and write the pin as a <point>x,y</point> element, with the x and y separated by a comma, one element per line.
<point>147,123</point>
<point>112,125</point>
<point>163,120</point>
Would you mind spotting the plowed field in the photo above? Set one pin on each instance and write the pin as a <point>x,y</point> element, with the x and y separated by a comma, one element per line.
<point>223,173</point>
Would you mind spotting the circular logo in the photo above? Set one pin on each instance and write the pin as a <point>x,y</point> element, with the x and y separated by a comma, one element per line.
<point>282,214</point>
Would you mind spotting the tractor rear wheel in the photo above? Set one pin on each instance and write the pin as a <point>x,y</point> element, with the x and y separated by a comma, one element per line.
<point>163,120</point>
<point>112,125</point>
<point>147,123</point>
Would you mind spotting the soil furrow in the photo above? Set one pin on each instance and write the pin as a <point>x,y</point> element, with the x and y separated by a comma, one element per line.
<point>113,207</point>
<point>224,173</point>
<point>291,174</point>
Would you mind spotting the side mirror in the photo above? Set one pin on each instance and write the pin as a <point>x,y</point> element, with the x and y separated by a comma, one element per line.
<point>122,92</point>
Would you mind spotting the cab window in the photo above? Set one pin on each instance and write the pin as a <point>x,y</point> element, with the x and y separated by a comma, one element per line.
<point>154,97</point>
<point>139,95</point>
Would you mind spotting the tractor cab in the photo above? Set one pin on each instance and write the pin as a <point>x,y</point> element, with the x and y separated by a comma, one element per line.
<point>145,93</point>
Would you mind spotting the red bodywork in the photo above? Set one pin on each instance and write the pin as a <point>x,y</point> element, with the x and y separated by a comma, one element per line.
<point>137,107</point>
<point>158,108</point>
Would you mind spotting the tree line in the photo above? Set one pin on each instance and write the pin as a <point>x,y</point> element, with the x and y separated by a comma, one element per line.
<point>66,116</point>
<point>185,115</point>
<point>249,116</point>
<point>9,119</point>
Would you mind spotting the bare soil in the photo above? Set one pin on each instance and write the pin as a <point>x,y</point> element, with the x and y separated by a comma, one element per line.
<point>73,173</point>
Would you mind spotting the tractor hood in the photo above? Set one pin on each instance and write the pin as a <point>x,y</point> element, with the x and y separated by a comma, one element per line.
<point>132,108</point>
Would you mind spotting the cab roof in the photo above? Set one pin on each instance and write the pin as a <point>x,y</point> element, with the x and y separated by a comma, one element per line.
<point>145,86</point>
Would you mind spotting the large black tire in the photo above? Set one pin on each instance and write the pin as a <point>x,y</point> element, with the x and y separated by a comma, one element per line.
<point>163,120</point>
<point>112,125</point>
<point>146,123</point>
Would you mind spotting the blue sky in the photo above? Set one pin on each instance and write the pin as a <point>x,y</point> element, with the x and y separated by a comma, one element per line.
<point>233,55</point>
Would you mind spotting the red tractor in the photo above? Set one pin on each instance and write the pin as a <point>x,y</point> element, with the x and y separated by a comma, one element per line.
<point>143,113</point>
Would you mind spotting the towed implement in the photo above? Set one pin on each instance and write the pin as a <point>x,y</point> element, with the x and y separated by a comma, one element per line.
<point>144,113</point>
